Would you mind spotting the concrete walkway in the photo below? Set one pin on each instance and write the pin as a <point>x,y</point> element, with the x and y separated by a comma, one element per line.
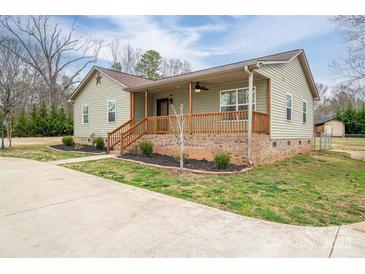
<point>82,159</point>
<point>358,155</point>
<point>51,211</point>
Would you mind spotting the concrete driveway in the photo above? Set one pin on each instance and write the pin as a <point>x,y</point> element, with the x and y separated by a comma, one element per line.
<point>51,211</point>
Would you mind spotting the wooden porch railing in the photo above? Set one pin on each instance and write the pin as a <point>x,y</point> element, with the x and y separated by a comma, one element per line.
<point>215,122</point>
<point>115,136</point>
<point>133,134</point>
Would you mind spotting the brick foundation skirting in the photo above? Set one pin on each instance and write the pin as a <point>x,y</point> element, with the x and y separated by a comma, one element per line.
<point>204,146</point>
<point>85,140</point>
<point>266,150</point>
<point>198,146</point>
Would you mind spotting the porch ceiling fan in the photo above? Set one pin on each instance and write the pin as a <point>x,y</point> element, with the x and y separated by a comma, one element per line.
<point>199,88</point>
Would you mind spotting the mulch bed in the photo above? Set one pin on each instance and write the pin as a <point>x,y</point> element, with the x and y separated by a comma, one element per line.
<point>163,160</point>
<point>83,148</point>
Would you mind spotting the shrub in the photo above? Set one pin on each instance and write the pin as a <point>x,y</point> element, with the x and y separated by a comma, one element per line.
<point>221,160</point>
<point>68,141</point>
<point>78,147</point>
<point>176,156</point>
<point>146,147</point>
<point>98,143</point>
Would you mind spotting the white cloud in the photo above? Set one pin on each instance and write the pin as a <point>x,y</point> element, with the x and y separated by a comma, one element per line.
<point>167,37</point>
<point>263,33</point>
<point>249,36</point>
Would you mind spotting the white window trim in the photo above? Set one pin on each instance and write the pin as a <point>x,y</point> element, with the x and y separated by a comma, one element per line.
<point>88,114</point>
<point>236,89</point>
<point>291,107</point>
<point>306,111</point>
<point>107,111</point>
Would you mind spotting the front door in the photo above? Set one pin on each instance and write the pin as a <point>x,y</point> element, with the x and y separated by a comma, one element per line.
<point>162,110</point>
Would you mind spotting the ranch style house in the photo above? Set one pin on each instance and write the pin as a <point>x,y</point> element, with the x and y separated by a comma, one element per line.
<point>259,110</point>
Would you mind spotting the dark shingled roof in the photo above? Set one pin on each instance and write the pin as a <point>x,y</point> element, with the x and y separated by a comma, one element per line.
<point>124,78</point>
<point>280,57</point>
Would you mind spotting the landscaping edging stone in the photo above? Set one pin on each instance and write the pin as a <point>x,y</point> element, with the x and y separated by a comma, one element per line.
<point>77,151</point>
<point>188,170</point>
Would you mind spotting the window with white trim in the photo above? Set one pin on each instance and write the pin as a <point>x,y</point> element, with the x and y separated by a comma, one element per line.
<point>304,111</point>
<point>288,107</point>
<point>85,114</point>
<point>111,111</point>
<point>236,99</point>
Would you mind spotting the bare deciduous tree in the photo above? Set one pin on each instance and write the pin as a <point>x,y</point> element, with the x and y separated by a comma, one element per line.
<point>124,58</point>
<point>172,67</point>
<point>11,74</point>
<point>179,131</point>
<point>50,50</point>
<point>352,66</point>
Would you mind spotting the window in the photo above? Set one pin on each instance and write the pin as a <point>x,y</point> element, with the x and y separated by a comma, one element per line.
<point>111,111</point>
<point>304,112</point>
<point>236,99</point>
<point>85,114</point>
<point>288,107</point>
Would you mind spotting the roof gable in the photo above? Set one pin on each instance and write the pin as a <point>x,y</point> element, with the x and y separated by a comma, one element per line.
<point>123,79</point>
<point>279,58</point>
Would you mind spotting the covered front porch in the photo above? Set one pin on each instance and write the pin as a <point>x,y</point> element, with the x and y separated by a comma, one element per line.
<point>218,103</point>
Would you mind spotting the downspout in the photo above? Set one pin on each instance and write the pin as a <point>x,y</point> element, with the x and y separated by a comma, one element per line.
<point>249,133</point>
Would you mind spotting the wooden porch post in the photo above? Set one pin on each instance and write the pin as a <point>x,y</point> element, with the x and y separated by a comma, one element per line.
<point>250,114</point>
<point>146,103</point>
<point>146,110</point>
<point>132,108</point>
<point>190,107</point>
<point>269,102</point>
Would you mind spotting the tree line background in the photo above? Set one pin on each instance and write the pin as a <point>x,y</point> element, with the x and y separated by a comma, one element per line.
<point>42,62</point>
<point>345,101</point>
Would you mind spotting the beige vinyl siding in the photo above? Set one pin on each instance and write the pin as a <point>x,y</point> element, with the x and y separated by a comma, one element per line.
<point>289,79</point>
<point>203,102</point>
<point>138,106</point>
<point>96,96</point>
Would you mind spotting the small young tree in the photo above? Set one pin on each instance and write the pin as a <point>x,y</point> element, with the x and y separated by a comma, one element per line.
<point>179,131</point>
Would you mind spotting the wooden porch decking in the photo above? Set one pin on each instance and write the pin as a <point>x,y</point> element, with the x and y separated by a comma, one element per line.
<point>204,123</point>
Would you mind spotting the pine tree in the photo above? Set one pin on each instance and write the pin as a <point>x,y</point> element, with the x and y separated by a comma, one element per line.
<point>33,130</point>
<point>42,121</point>
<point>53,123</point>
<point>149,65</point>
<point>21,128</point>
<point>117,66</point>
<point>62,126</point>
<point>362,118</point>
<point>69,125</point>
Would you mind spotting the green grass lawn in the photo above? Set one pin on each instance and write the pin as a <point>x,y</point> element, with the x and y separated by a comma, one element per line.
<point>38,152</point>
<point>318,189</point>
<point>356,144</point>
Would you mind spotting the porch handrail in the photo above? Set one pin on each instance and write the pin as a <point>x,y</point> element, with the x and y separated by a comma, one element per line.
<point>213,122</point>
<point>133,134</point>
<point>115,135</point>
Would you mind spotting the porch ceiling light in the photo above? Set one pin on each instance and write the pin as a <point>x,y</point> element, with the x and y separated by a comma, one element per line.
<point>199,88</point>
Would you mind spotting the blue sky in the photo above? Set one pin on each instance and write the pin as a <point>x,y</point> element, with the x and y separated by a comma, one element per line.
<point>208,41</point>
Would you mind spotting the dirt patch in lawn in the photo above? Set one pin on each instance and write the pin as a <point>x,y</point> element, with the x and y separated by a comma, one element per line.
<point>84,148</point>
<point>163,160</point>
